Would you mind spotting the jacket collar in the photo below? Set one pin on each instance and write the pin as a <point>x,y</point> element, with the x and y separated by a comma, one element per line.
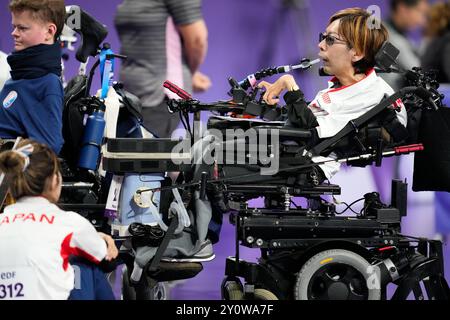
<point>370,77</point>
<point>33,200</point>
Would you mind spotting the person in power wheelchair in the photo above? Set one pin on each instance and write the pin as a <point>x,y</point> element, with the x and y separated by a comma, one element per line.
<point>311,253</point>
<point>347,49</point>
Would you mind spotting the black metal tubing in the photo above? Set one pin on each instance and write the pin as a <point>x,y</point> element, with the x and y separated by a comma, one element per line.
<point>437,288</point>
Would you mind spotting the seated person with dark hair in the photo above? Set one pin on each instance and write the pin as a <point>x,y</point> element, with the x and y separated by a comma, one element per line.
<point>347,49</point>
<point>38,239</point>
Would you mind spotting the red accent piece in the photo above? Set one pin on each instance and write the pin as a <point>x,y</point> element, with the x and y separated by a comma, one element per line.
<point>81,253</point>
<point>67,251</point>
<point>326,98</point>
<point>386,248</point>
<point>398,105</point>
<point>177,90</point>
<point>216,171</point>
<point>246,116</point>
<point>410,148</point>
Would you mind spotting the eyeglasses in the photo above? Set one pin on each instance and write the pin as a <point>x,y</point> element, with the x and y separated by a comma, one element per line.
<point>329,39</point>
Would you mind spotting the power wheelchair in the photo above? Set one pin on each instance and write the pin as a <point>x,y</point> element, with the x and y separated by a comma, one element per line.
<point>306,253</point>
<point>312,253</point>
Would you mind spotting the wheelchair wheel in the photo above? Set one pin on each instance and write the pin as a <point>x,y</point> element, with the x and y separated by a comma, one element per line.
<point>263,294</point>
<point>335,275</point>
<point>232,289</point>
<point>160,292</point>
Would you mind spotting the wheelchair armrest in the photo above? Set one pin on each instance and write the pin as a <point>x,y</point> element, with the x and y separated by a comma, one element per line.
<point>287,132</point>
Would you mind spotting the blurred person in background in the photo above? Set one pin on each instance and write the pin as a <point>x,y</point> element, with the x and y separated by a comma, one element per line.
<point>437,51</point>
<point>163,40</point>
<point>436,56</point>
<point>406,16</point>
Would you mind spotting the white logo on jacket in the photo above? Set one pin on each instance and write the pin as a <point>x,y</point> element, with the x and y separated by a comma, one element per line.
<point>9,100</point>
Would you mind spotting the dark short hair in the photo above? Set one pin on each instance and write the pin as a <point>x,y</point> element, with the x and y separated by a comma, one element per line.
<point>408,3</point>
<point>53,11</point>
<point>34,180</point>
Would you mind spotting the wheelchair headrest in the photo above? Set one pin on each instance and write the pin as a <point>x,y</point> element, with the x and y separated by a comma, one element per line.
<point>386,57</point>
<point>385,60</point>
<point>91,31</point>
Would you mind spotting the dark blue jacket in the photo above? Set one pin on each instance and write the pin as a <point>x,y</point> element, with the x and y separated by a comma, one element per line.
<point>32,108</point>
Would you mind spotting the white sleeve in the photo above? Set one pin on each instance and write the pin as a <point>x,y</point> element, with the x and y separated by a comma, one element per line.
<point>4,69</point>
<point>403,117</point>
<point>329,168</point>
<point>85,241</point>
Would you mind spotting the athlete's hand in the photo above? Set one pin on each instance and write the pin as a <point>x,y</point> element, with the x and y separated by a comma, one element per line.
<point>273,90</point>
<point>112,251</point>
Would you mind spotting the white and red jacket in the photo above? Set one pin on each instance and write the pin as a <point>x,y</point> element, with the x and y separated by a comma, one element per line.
<point>334,108</point>
<point>36,241</point>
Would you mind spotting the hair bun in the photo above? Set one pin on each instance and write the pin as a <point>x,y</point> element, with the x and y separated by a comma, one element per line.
<point>11,162</point>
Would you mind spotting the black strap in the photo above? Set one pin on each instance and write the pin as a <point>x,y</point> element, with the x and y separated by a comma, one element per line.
<point>128,104</point>
<point>165,242</point>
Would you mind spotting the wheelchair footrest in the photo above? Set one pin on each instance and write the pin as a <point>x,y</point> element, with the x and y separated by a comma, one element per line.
<point>170,271</point>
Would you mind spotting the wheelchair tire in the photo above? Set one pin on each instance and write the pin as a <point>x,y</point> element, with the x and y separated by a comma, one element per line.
<point>232,291</point>
<point>263,294</point>
<point>335,275</point>
<point>160,291</point>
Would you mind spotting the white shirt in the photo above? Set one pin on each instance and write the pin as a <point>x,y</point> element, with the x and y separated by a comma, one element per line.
<point>334,108</point>
<point>4,69</point>
<point>36,241</point>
